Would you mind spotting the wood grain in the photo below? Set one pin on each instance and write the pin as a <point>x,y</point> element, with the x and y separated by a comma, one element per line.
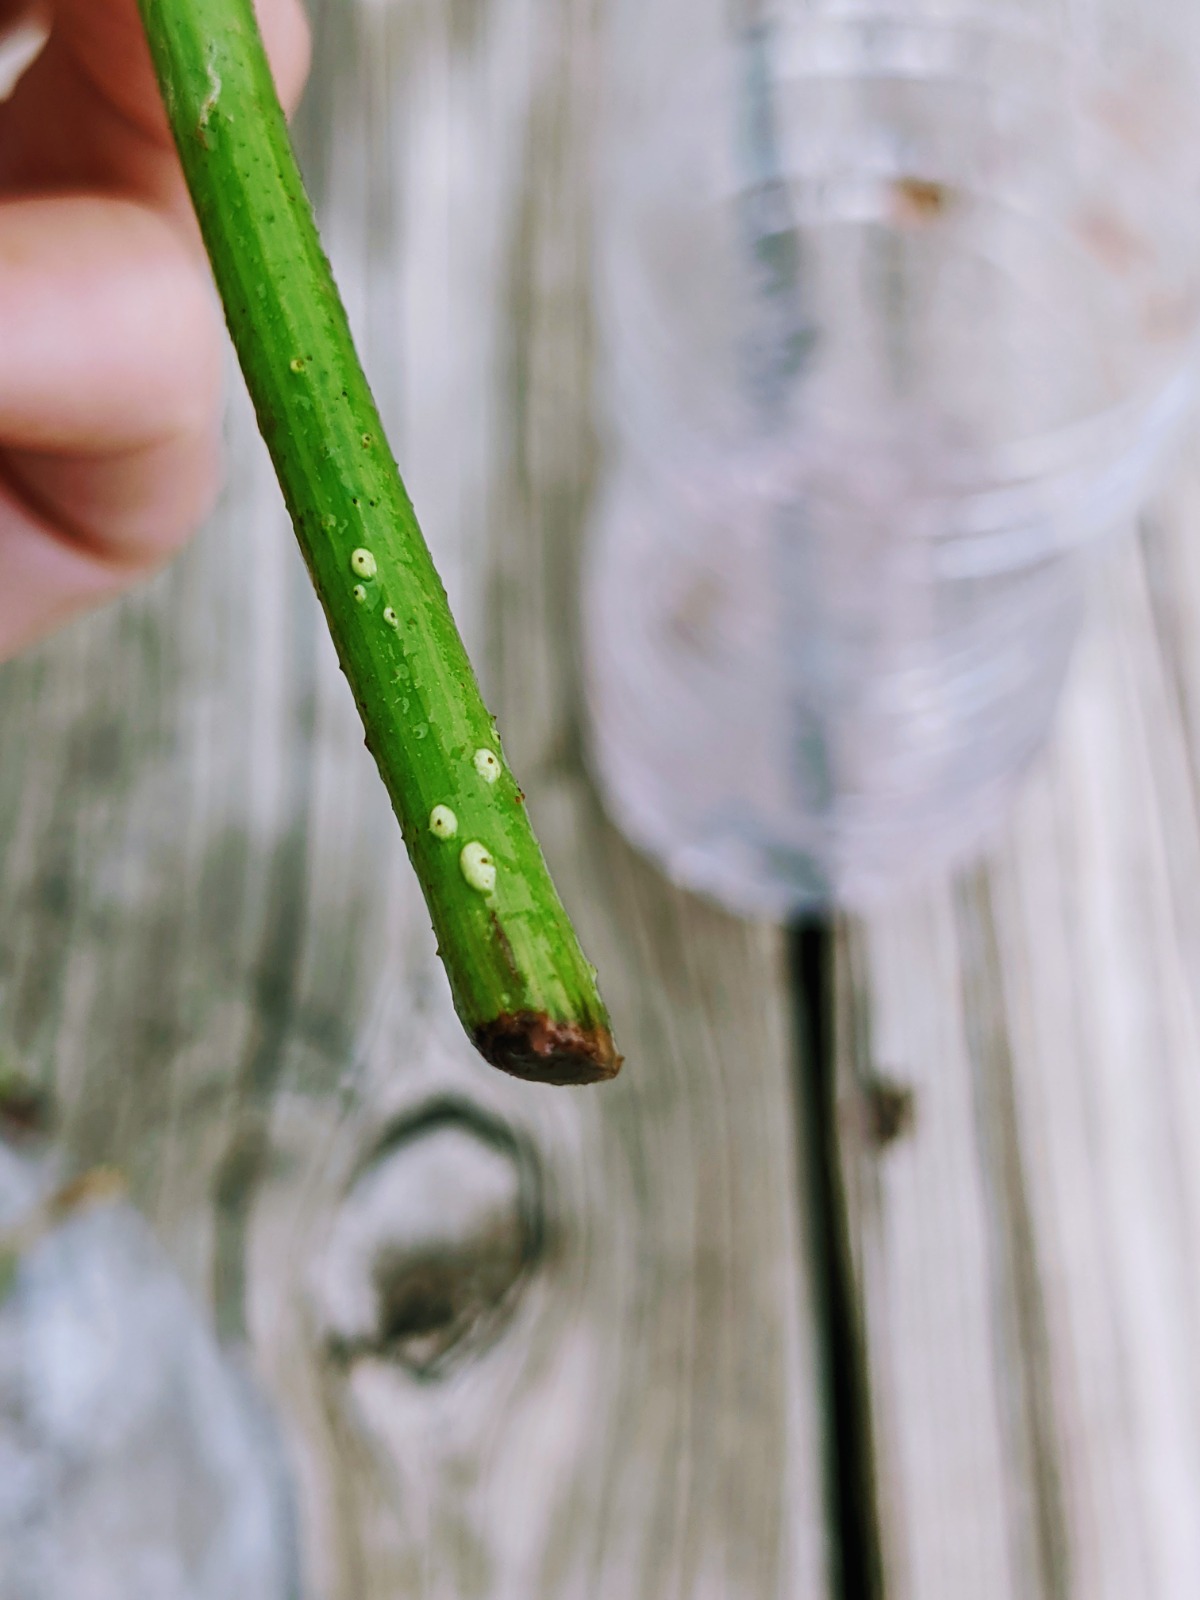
<point>1028,1251</point>
<point>212,952</point>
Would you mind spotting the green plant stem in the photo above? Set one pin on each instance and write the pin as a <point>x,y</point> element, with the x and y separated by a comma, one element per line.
<point>521,985</point>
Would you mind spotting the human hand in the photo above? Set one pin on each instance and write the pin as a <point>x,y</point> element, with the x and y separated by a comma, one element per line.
<point>110,342</point>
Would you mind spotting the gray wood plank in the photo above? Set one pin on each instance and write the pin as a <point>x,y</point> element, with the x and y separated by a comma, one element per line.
<point>522,1342</point>
<point>1028,1250</point>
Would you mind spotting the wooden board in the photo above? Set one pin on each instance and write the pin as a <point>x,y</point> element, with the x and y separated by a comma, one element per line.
<point>536,1343</point>
<point>521,1343</point>
<point>1028,1247</point>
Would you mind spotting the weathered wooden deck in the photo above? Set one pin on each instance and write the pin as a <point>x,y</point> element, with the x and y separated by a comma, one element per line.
<point>602,1344</point>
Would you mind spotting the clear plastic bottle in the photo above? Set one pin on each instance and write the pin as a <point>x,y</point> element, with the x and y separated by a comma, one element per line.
<point>898,310</point>
<point>137,1460</point>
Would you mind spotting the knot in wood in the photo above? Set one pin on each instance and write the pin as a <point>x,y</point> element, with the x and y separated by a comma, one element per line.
<point>430,1245</point>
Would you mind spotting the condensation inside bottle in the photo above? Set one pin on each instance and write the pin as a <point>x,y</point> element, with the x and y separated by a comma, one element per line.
<point>897,310</point>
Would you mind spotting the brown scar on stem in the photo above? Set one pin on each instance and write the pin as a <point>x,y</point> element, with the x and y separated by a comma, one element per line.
<point>505,945</point>
<point>532,1046</point>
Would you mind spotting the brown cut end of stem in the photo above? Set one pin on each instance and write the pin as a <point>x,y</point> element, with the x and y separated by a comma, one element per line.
<point>532,1046</point>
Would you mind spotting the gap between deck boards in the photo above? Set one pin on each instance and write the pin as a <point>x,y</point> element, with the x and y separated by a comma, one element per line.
<point>851,1490</point>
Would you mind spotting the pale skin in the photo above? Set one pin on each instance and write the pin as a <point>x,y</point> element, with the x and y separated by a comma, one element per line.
<point>110,377</point>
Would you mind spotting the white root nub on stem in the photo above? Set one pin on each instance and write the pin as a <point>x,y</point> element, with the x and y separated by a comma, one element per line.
<point>443,822</point>
<point>478,868</point>
<point>487,765</point>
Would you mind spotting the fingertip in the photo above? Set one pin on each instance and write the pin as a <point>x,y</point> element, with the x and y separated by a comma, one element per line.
<point>109,324</point>
<point>110,402</point>
<point>128,513</point>
<point>75,535</point>
<point>287,38</point>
